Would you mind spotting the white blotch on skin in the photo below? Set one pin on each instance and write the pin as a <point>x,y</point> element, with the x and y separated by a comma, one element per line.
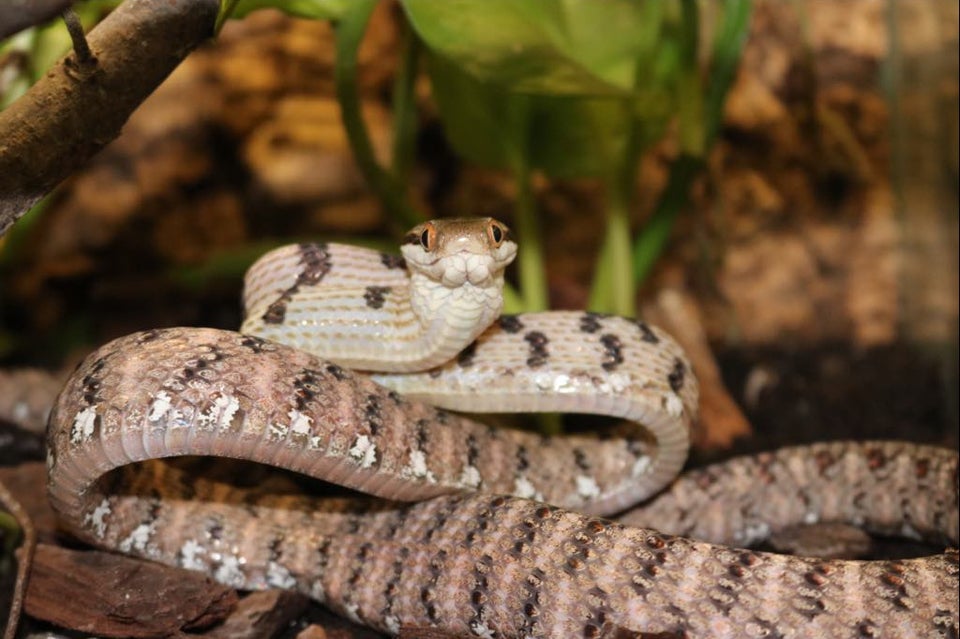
<point>481,629</point>
<point>229,572</point>
<point>418,467</point>
<point>299,423</point>
<point>190,555</point>
<point>160,406</point>
<point>317,591</point>
<point>352,611</point>
<point>392,623</point>
<point>587,487</point>
<point>178,420</point>
<point>752,533</point>
<point>279,577</point>
<point>522,487</point>
<point>641,466</point>
<point>139,538</point>
<point>227,406</point>
<point>470,477</point>
<point>609,384</point>
<point>83,424</point>
<point>673,405</point>
<point>277,431</point>
<point>364,451</point>
<point>221,412</point>
<point>97,518</point>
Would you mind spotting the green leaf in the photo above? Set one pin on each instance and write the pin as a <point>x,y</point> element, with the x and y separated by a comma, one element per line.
<point>577,136</point>
<point>484,123</point>
<point>560,135</point>
<point>316,9</point>
<point>579,47</point>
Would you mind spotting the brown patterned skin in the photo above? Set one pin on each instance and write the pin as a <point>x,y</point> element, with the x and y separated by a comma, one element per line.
<point>475,564</point>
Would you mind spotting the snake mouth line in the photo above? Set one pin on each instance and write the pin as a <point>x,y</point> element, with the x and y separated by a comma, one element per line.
<point>460,252</point>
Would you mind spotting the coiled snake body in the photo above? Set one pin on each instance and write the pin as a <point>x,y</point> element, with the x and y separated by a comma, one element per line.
<point>466,558</point>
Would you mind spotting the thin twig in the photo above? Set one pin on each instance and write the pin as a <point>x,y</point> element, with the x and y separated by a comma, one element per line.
<point>81,48</point>
<point>24,558</point>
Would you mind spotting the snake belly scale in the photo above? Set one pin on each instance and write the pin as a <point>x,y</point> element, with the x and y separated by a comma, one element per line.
<point>468,558</point>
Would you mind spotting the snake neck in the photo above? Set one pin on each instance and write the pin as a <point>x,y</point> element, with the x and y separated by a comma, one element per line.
<point>451,318</point>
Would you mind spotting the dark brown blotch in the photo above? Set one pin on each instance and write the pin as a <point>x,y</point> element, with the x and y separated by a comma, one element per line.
<point>538,348</point>
<point>612,351</point>
<point>315,260</point>
<point>815,579</point>
<point>392,261</point>
<point>824,459</point>
<point>375,296</point>
<point>876,458</point>
<point>338,373</point>
<point>646,333</point>
<point>523,461</point>
<point>511,323</point>
<point>677,375</point>
<point>254,343</point>
<point>580,459</point>
<point>590,322</point>
<point>372,411</point>
<point>465,358</point>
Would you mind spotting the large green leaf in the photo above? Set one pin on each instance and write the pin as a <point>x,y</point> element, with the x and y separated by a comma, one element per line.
<point>484,123</point>
<point>560,135</point>
<point>578,136</point>
<point>317,9</point>
<point>581,47</point>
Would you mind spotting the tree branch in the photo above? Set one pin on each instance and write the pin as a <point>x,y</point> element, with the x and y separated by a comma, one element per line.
<point>17,15</point>
<point>74,111</point>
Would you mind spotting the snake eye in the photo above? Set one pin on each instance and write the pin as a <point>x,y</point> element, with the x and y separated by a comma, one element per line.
<point>497,233</point>
<point>428,239</point>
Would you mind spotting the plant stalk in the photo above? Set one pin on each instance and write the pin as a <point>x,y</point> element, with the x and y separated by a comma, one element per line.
<point>349,32</point>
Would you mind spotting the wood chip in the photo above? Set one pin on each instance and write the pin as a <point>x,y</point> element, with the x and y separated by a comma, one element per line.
<point>260,615</point>
<point>114,596</point>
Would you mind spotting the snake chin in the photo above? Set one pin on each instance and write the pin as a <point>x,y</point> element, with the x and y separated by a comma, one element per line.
<point>453,269</point>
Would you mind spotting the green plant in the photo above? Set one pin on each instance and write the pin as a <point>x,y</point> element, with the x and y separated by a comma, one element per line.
<point>564,87</point>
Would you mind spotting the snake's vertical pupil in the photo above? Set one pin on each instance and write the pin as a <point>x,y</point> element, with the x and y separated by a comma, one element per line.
<point>497,233</point>
<point>425,239</point>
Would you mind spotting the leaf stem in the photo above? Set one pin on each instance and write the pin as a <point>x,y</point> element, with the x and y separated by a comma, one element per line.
<point>533,280</point>
<point>613,287</point>
<point>404,106</point>
<point>728,44</point>
<point>226,10</point>
<point>349,32</point>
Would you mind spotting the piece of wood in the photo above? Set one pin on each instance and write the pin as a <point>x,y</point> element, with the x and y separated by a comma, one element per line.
<point>261,615</point>
<point>114,596</point>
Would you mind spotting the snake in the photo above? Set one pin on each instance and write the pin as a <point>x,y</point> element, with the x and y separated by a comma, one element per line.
<point>355,367</point>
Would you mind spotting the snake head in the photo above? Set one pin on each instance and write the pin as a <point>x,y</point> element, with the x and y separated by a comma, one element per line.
<point>455,251</point>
